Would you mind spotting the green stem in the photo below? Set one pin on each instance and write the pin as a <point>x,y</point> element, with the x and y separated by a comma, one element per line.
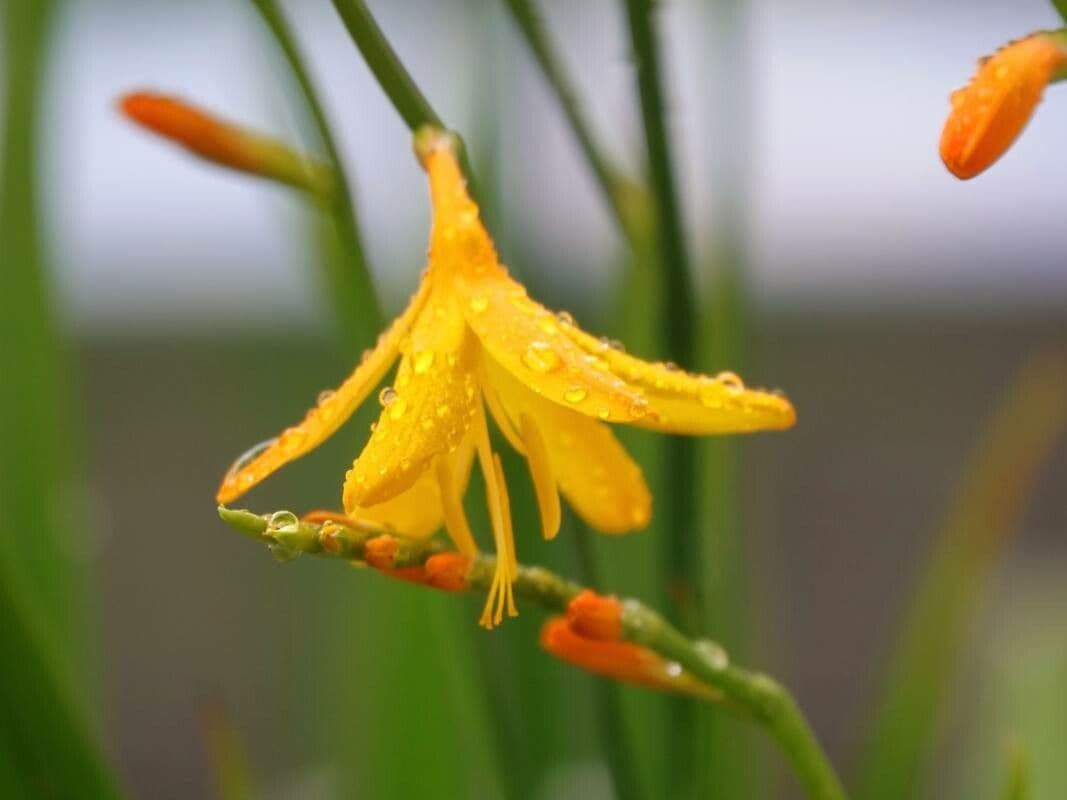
<point>614,733</point>
<point>750,694</point>
<point>619,193</point>
<point>392,76</point>
<point>348,276</point>
<point>1061,6</point>
<point>680,314</point>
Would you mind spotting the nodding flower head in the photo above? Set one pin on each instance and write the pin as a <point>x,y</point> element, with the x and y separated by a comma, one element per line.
<point>991,111</point>
<point>474,346</point>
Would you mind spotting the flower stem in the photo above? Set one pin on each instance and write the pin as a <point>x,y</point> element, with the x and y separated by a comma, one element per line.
<point>679,313</point>
<point>619,193</point>
<point>394,79</point>
<point>749,694</point>
<point>348,276</point>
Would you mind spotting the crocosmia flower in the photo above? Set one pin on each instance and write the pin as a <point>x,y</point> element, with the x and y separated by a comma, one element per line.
<point>471,339</point>
<point>992,110</point>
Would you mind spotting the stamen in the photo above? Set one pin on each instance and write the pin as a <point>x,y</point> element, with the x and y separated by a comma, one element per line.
<point>543,478</point>
<point>500,596</point>
<point>452,507</point>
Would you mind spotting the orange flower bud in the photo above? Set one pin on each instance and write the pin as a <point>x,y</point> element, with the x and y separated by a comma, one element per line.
<point>619,660</point>
<point>596,616</point>
<point>448,571</point>
<point>992,110</point>
<point>380,552</point>
<point>226,144</point>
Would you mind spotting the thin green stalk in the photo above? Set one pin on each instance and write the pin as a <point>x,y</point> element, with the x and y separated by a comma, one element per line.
<point>611,719</point>
<point>1017,783</point>
<point>680,315</point>
<point>1061,7</point>
<point>394,79</point>
<point>751,695</point>
<point>348,277</point>
<point>618,192</point>
<point>987,511</point>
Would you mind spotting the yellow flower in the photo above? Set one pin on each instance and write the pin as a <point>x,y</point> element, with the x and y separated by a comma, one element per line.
<point>472,339</point>
<point>992,110</point>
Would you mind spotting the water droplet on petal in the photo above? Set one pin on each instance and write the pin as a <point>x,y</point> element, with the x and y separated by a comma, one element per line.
<point>387,395</point>
<point>574,394</point>
<point>248,456</point>
<point>711,395</point>
<point>548,326</point>
<point>423,361</point>
<point>603,413</point>
<point>565,318</point>
<point>478,303</point>
<point>731,380</point>
<point>673,669</point>
<point>324,396</point>
<point>540,357</point>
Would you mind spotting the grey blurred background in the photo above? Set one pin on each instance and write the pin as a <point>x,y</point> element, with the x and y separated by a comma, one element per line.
<point>892,302</point>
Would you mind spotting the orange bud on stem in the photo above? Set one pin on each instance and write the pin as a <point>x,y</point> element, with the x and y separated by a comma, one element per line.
<point>224,143</point>
<point>596,616</point>
<point>992,110</point>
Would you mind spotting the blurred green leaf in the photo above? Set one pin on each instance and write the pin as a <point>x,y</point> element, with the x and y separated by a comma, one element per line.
<point>1017,784</point>
<point>986,513</point>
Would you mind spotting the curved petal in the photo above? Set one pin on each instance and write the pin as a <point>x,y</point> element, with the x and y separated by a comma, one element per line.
<point>526,338</point>
<point>420,510</point>
<point>681,402</point>
<point>593,470</point>
<point>427,411</point>
<point>332,411</point>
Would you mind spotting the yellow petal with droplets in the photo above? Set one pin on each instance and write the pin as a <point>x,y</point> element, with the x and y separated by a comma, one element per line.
<point>459,243</point>
<point>681,402</point>
<point>543,479</point>
<point>593,470</point>
<point>452,473</point>
<point>419,511</point>
<point>333,409</point>
<point>427,410</point>
<point>526,338</point>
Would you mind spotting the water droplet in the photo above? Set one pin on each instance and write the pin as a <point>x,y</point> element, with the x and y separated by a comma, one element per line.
<point>564,318</point>
<point>575,394</point>
<point>397,408</point>
<point>731,380</point>
<point>711,395</point>
<point>670,366</point>
<point>423,361</point>
<point>540,357</point>
<point>387,395</point>
<point>673,669</point>
<point>713,653</point>
<point>291,438</point>
<point>478,303</point>
<point>548,325</point>
<point>603,413</point>
<point>248,456</point>
<point>324,396</point>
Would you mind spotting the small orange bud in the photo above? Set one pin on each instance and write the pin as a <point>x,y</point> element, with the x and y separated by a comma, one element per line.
<point>596,616</point>
<point>992,110</point>
<point>223,143</point>
<point>380,552</point>
<point>622,661</point>
<point>448,571</point>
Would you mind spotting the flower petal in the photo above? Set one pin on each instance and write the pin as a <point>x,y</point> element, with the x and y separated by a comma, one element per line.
<point>526,338</point>
<point>681,402</point>
<point>594,472</point>
<point>333,409</point>
<point>427,411</point>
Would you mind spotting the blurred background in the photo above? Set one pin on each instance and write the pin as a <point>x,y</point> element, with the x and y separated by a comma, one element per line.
<point>893,303</point>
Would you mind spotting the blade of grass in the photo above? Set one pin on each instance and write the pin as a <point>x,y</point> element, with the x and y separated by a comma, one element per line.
<point>618,192</point>
<point>1017,783</point>
<point>986,512</point>
<point>680,314</point>
<point>347,278</point>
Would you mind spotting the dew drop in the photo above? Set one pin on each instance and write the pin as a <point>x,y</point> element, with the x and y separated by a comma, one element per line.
<point>387,395</point>
<point>478,303</point>
<point>575,394</point>
<point>711,395</point>
<point>603,413</point>
<point>423,361</point>
<point>673,669</point>
<point>548,325</point>
<point>248,456</point>
<point>325,396</point>
<point>540,357</point>
<point>731,380</point>
<point>564,318</point>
